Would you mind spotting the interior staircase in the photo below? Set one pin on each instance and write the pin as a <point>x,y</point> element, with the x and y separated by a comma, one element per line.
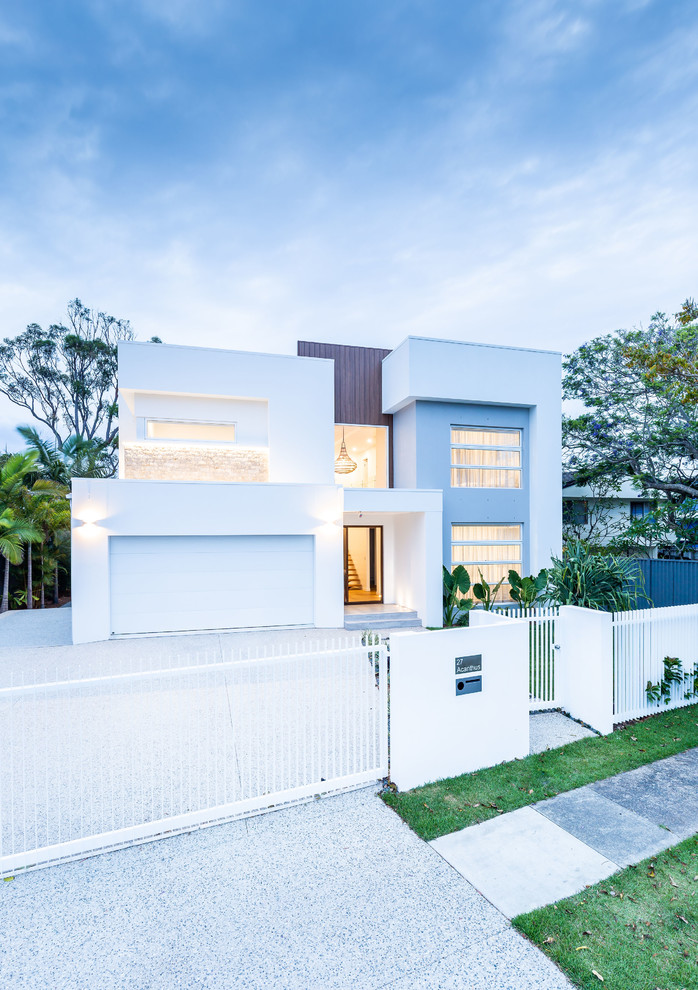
<point>353,580</point>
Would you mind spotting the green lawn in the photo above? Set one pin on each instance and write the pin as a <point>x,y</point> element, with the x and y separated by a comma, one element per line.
<point>638,930</point>
<point>448,805</point>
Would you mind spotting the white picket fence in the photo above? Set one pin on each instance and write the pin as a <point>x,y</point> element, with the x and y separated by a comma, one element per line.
<point>641,641</point>
<point>94,763</point>
<point>542,685</point>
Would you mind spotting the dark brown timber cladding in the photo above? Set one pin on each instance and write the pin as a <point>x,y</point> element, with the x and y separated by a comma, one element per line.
<point>358,385</point>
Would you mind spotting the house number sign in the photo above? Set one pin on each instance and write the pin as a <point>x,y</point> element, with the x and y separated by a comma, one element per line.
<point>468,665</point>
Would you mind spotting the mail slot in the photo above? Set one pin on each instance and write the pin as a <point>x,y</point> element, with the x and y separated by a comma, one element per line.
<point>468,685</point>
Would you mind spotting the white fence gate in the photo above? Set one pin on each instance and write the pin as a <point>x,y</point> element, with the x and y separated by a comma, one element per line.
<point>542,685</point>
<point>641,641</point>
<point>89,764</point>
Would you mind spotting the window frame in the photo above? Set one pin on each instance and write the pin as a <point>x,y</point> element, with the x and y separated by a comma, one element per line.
<point>507,565</point>
<point>147,420</point>
<point>487,467</point>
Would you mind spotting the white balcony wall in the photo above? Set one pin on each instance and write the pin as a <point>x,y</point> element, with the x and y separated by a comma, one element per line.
<point>296,392</point>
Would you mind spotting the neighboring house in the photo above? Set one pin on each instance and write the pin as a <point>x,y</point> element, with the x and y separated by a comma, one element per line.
<point>260,490</point>
<point>602,515</point>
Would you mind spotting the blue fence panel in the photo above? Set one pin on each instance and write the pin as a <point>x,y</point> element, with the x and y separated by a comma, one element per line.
<point>669,582</point>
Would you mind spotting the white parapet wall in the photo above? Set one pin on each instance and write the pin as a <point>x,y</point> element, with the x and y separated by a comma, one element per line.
<point>441,725</point>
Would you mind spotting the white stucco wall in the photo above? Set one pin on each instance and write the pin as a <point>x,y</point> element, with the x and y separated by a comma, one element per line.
<point>104,508</point>
<point>435,733</point>
<point>298,392</point>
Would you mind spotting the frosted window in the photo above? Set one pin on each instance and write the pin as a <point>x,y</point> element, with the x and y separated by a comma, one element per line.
<point>493,549</point>
<point>164,429</point>
<point>485,458</point>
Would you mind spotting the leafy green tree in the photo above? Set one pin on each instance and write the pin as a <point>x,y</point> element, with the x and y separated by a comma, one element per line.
<point>636,424</point>
<point>48,509</point>
<point>66,375</point>
<point>14,494</point>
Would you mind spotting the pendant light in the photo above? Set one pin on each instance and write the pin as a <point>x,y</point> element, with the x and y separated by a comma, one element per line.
<point>344,463</point>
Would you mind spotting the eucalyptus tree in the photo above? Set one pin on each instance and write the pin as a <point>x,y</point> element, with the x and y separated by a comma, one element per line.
<point>66,375</point>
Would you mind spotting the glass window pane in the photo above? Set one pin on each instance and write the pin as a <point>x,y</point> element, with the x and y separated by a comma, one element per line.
<point>486,438</point>
<point>201,432</point>
<point>485,478</point>
<point>494,458</point>
<point>367,447</point>
<point>507,552</point>
<point>485,533</point>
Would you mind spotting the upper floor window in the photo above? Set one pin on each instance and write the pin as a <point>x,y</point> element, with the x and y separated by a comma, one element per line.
<point>367,449</point>
<point>575,512</point>
<point>189,431</point>
<point>484,458</point>
<point>638,510</point>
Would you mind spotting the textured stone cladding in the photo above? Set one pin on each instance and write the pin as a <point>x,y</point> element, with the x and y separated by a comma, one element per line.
<point>165,462</point>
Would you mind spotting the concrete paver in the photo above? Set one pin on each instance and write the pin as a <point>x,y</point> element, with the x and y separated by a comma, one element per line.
<point>522,860</point>
<point>542,853</point>
<point>664,793</point>
<point>619,834</point>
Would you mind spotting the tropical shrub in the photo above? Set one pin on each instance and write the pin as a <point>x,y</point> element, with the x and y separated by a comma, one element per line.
<point>456,606</point>
<point>487,593</point>
<point>592,580</point>
<point>527,591</point>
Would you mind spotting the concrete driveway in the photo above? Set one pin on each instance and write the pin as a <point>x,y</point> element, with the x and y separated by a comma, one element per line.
<point>335,894</point>
<point>34,643</point>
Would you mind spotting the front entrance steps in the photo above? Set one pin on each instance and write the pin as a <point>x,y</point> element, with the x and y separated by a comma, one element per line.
<point>360,617</point>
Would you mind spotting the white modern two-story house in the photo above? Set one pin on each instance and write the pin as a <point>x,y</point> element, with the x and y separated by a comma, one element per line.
<point>260,490</point>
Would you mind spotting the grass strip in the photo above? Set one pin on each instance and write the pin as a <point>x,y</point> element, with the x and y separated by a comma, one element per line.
<point>637,930</point>
<point>452,804</point>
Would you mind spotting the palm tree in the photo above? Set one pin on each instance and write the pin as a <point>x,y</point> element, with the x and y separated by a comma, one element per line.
<point>13,500</point>
<point>14,533</point>
<point>47,507</point>
<point>76,457</point>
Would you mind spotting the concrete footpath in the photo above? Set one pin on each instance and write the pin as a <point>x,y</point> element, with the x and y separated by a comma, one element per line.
<point>553,849</point>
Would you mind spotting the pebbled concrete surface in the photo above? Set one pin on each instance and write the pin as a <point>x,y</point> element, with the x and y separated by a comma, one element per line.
<point>548,730</point>
<point>335,894</point>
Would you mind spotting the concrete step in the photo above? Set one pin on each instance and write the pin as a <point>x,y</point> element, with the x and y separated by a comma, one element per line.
<point>382,620</point>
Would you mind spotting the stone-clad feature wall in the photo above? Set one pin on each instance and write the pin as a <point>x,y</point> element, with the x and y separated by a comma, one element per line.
<point>182,462</point>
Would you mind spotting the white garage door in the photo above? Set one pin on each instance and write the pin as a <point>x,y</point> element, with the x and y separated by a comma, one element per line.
<point>178,583</point>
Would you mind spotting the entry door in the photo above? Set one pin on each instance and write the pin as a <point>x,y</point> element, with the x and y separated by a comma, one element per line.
<point>363,565</point>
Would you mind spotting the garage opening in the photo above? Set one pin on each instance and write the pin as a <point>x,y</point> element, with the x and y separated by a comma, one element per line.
<point>185,583</point>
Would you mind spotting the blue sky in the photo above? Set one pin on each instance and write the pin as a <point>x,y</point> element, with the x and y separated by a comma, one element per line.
<point>242,174</point>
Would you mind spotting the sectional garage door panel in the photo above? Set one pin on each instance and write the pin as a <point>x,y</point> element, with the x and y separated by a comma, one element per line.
<point>183,583</point>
